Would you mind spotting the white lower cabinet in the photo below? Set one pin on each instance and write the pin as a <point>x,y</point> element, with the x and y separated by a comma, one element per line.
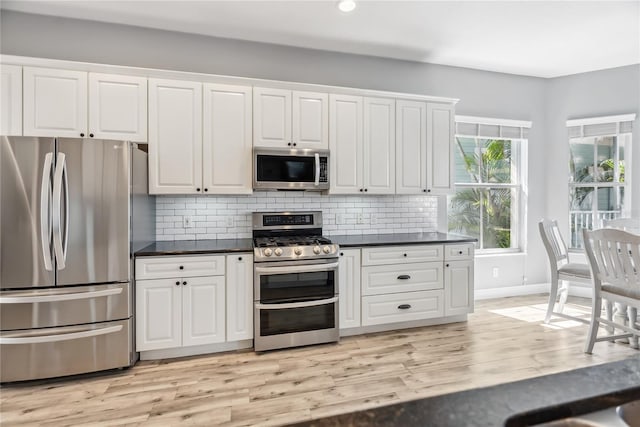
<point>349,288</point>
<point>402,307</point>
<point>179,310</point>
<point>458,285</point>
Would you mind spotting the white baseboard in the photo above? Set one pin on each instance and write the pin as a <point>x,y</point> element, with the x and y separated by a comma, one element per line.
<point>511,291</point>
<point>195,350</point>
<point>539,288</point>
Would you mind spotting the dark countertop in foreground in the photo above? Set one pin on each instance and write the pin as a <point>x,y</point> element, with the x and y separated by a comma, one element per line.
<point>523,403</point>
<point>193,247</point>
<point>347,241</point>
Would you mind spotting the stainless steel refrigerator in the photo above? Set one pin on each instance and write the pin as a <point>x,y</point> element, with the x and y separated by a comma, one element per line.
<point>72,213</point>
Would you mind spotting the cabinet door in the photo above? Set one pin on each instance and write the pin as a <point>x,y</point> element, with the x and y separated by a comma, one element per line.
<point>458,287</point>
<point>11,100</point>
<point>203,310</point>
<point>55,102</point>
<point>118,107</point>
<point>239,297</point>
<point>271,117</point>
<point>158,314</point>
<point>411,147</point>
<point>345,142</point>
<point>379,146</point>
<point>349,292</point>
<point>175,137</point>
<point>440,134</point>
<point>226,144</point>
<point>310,120</point>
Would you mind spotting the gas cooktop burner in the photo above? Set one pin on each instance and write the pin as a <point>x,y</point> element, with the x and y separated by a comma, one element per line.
<point>282,236</point>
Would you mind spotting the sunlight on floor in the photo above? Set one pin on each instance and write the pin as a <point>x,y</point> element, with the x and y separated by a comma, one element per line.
<point>535,314</point>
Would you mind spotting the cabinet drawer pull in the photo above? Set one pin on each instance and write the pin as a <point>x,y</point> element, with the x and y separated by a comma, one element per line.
<point>404,306</point>
<point>181,267</point>
<point>404,277</point>
<point>460,252</point>
<point>177,283</point>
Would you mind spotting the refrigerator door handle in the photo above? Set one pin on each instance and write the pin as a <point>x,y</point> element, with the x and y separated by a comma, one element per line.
<point>45,212</point>
<point>60,337</point>
<point>58,245</point>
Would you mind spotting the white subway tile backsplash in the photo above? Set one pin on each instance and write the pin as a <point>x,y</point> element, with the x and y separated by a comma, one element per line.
<point>209,214</point>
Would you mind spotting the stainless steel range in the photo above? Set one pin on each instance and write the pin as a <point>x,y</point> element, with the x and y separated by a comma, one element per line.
<point>295,281</point>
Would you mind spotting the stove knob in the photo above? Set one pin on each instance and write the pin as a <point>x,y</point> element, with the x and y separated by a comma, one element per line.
<point>326,249</point>
<point>316,250</point>
<point>268,252</point>
<point>278,252</point>
<point>297,251</point>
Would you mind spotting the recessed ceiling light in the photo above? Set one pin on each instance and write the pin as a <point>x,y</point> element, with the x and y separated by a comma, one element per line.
<point>346,5</point>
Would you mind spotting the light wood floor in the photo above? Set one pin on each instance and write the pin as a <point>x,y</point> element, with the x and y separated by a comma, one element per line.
<point>504,340</point>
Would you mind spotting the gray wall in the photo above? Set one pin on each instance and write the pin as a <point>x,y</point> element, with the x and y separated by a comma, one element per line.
<point>481,93</point>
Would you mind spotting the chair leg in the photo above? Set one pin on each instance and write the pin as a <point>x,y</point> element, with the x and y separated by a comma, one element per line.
<point>608,306</point>
<point>633,319</point>
<point>564,294</point>
<point>553,294</point>
<point>596,312</point>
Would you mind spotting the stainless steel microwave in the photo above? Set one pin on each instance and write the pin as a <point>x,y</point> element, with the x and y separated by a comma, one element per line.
<point>286,169</point>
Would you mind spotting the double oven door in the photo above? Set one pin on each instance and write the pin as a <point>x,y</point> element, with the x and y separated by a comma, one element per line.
<point>296,303</point>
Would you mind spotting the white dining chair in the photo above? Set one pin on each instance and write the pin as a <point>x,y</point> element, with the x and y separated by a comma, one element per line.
<point>614,259</point>
<point>561,269</point>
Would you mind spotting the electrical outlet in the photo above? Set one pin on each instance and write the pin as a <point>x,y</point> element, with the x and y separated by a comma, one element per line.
<point>187,221</point>
<point>360,218</point>
<point>229,221</point>
<point>496,272</point>
<point>339,219</point>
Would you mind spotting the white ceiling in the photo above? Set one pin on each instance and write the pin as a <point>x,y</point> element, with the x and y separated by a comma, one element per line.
<point>536,38</point>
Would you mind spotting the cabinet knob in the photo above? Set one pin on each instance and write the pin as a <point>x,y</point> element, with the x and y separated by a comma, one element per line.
<point>184,283</point>
<point>366,189</point>
<point>424,191</point>
<point>239,258</point>
<point>294,144</point>
<point>460,252</point>
<point>181,267</point>
<point>404,306</point>
<point>446,265</point>
<point>90,135</point>
<point>198,189</point>
<point>206,189</point>
<point>177,283</point>
<point>361,190</point>
<point>404,254</point>
<point>429,191</point>
<point>82,134</point>
<point>289,144</point>
<point>341,253</point>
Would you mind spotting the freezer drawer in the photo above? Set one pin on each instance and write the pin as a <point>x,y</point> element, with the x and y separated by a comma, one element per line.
<point>56,352</point>
<point>71,305</point>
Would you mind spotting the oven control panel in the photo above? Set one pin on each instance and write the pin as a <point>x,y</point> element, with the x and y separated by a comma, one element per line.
<point>282,253</point>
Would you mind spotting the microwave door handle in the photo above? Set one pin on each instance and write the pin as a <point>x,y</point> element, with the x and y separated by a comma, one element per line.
<point>317,182</point>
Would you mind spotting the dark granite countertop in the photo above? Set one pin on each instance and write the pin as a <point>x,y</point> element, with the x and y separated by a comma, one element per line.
<point>347,241</point>
<point>193,247</point>
<point>515,404</point>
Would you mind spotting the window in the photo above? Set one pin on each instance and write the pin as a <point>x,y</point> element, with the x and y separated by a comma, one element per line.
<point>599,189</point>
<point>489,174</point>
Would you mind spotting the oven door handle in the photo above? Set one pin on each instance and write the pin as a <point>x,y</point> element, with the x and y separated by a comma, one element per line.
<point>297,269</point>
<point>303,304</point>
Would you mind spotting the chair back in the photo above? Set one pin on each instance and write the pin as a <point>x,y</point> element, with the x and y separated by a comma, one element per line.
<point>553,242</point>
<point>614,257</point>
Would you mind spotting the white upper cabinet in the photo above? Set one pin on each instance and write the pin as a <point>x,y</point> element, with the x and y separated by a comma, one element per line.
<point>175,137</point>
<point>239,297</point>
<point>271,117</point>
<point>411,147</point>
<point>310,120</point>
<point>118,107</point>
<point>227,148</point>
<point>362,144</point>
<point>346,144</point>
<point>55,102</point>
<point>10,100</point>
<point>379,146</point>
<point>440,134</point>
<point>286,119</point>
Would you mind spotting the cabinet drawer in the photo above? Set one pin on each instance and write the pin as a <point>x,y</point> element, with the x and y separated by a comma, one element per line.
<point>387,279</point>
<point>162,267</point>
<point>381,309</point>
<point>401,254</point>
<point>462,251</point>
